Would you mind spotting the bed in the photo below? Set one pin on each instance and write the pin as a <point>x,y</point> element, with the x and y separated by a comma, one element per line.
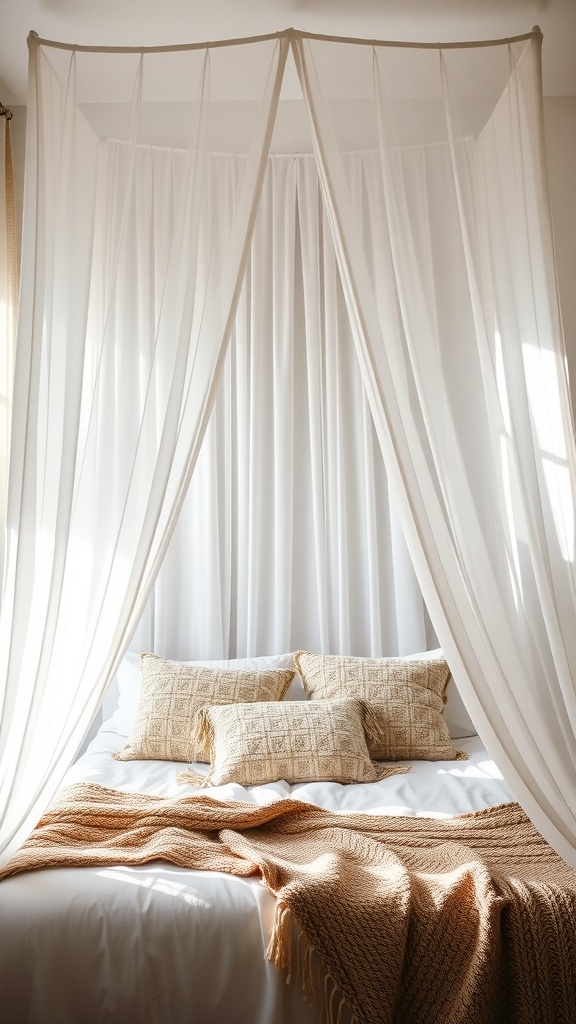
<point>158,943</point>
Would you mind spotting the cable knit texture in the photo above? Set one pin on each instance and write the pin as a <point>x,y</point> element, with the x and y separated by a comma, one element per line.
<point>464,920</point>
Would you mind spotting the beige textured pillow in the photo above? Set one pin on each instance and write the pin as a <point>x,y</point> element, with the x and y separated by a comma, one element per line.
<point>407,696</point>
<point>173,693</point>
<point>299,741</point>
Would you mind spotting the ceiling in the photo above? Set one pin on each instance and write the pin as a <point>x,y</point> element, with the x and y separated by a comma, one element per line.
<point>145,23</point>
<point>151,22</point>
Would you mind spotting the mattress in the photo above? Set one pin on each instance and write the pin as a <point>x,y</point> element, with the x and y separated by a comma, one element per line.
<point>156,944</point>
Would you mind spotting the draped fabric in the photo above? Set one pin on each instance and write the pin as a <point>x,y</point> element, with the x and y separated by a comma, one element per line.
<point>458,334</point>
<point>435,193</point>
<point>120,344</point>
<point>8,301</point>
<point>288,536</point>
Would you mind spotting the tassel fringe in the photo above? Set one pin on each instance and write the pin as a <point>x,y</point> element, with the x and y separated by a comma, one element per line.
<point>384,769</point>
<point>194,779</point>
<point>280,954</point>
<point>375,732</point>
<point>203,734</point>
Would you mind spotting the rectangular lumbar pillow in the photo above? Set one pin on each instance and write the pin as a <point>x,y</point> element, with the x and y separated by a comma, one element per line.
<point>298,741</point>
<point>407,697</point>
<point>172,694</point>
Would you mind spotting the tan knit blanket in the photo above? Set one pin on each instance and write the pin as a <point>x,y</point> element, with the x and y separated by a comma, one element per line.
<point>465,920</point>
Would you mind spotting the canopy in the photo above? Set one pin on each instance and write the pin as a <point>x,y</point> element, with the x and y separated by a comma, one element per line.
<point>140,205</point>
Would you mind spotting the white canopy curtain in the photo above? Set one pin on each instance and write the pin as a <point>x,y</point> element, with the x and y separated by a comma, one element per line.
<point>8,301</point>
<point>444,247</point>
<point>458,333</point>
<point>95,485</point>
<point>288,537</point>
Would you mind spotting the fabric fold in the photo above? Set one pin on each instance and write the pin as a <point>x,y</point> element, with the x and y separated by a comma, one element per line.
<point>413,920</point>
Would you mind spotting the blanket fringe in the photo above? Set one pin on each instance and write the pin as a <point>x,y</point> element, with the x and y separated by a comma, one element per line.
<point>280,953</point>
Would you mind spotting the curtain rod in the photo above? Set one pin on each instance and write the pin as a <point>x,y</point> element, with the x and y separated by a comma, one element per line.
<point>4,112</point>
<point>289,33</point>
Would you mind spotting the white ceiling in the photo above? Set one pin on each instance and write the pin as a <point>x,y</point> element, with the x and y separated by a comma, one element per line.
<point>150,22</point>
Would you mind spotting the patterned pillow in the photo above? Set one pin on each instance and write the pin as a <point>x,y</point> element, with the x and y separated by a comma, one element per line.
<point>173,693</point>
<point>306,741</point>
<point>406,695</point>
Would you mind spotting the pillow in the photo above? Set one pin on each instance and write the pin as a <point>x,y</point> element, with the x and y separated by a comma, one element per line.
<point>407,696</point>
<point>456,716</point>
<point>172,694</point>
<point>311,741</point>
<point>129,679</point>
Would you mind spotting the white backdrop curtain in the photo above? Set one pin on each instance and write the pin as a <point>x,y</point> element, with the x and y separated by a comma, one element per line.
<point>288,536</point>
<point>120,343</point>
<point>458,334</point>
<point>8,302</point>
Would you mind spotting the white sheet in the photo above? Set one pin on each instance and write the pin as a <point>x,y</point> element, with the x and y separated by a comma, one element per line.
<point>160,945</point>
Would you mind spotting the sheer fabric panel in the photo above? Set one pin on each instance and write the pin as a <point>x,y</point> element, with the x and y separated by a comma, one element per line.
<point>133,256</point>
<point>121,341</point>
<point>288,537</point>
<point>458,335</point>
<point>8,303</point>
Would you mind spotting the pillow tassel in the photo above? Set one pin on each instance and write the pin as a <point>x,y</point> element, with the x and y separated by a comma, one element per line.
<point>384,769</point>
<point>373,725</point>
<point>194,778</point>
<point>202,734</point>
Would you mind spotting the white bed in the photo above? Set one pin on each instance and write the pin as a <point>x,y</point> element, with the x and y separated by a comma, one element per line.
<point>160,945</point>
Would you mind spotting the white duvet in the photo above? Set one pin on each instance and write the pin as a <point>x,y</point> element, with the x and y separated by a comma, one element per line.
<point>160,945</point>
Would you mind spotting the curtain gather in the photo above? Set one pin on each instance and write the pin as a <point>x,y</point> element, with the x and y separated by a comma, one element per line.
<point>288,536</point>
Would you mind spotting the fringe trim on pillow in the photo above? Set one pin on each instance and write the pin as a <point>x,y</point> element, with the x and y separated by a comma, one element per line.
<point>202,733</point>
<point>384,769</point>
<point>123,754</point>
<point>375,731</point>
<point>194,778</point>
<point>280,953</point>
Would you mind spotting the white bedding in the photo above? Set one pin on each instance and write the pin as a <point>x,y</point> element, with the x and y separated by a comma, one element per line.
<point>160,945</point>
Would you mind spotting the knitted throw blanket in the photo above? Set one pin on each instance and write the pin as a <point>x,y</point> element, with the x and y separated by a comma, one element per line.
<point>465,920</point>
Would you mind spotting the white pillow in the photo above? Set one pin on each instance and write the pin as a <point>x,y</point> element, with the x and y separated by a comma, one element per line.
<point>130,682</point>
<point>455,715</point>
